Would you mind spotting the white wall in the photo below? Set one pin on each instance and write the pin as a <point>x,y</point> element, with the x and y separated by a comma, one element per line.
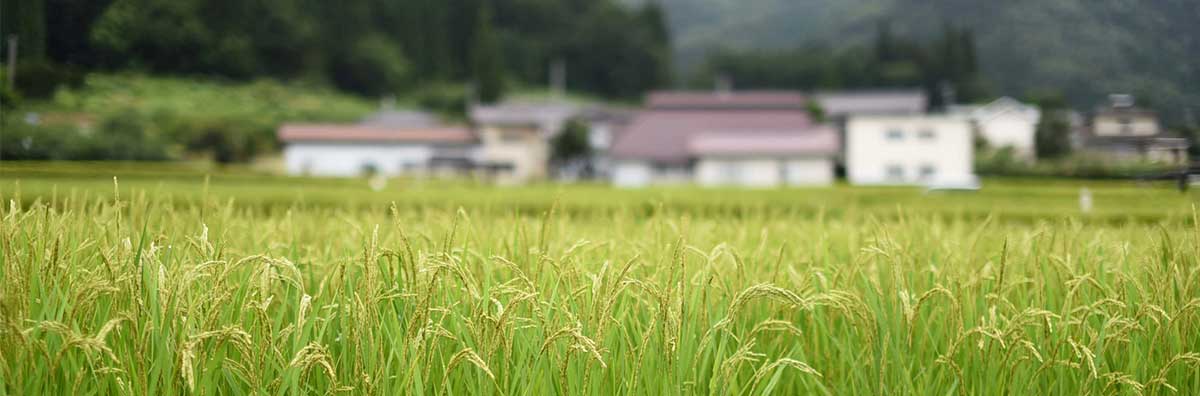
<point>870,153</point>
<point>1013,131</point>
<point>763,172</point>
<point>816,171</point>
<point>349,159</point>
<point>1138,125</point>
<point>523,147</point>
<point>631,174</point>
<point>746,172</point>
<point>600,136</point>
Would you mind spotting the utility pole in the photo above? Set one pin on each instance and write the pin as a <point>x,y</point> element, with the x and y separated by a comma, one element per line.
<point>558,78</point>
<point>723,85</point>
<point>472,97</point>
<point>12,60</point>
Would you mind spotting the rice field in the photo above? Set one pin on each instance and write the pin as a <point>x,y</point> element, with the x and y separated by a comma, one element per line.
<point>173,282</point>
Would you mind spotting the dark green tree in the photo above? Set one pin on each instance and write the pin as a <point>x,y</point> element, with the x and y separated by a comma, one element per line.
<point>815,111</point>
<point>373,66</point>
<point>571,144</point>
<point>70,23</point>
<point>1052,138</point>
<point>442,41</point>
<point>655,22</point>
<point>486,63</point>
<point>27,20</point>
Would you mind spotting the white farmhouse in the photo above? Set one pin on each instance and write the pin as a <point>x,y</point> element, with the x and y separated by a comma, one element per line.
<point>910,150</point>
<point>390,143</point>
<point>1004,122</point>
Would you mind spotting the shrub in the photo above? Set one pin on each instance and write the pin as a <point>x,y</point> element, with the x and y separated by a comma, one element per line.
<point>9,99</point>
<point>125,136</point>
<point>228,141</point>
<point>39,79</point>
<point>1003,162</point>
<point>23,141</point>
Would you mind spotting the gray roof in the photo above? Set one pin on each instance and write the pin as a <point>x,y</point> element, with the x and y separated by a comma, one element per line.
<point>402,119</point>
<point>996,108</point>
<point>846,103</point>
<point>549,117</point>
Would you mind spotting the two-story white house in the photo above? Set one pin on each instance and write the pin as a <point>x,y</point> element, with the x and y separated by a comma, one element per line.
<point>1122,131</point>
<point>931,150</point>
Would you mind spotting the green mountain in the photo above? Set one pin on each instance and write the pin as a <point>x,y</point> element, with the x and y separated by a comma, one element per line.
<point>1084,48</point>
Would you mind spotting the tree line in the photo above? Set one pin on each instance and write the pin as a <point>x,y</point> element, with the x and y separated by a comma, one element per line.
<point>370,47</point>
<point>945,66</point>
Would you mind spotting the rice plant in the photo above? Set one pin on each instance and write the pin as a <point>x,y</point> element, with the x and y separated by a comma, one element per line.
<point>133,291</point>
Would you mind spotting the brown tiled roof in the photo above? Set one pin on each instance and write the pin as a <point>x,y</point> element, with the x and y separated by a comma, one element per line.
<point>726,100</point>
<point>373,133</point>
<point>665,135</point>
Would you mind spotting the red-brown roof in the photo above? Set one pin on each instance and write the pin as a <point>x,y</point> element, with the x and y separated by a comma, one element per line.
<point>373,133</point>
<point>725,100</point>
<point>665,135</point>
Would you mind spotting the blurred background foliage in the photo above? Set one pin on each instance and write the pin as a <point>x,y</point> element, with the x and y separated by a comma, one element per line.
<point>1083,48</point>
<point>214,78</point>
<point>367,47</point>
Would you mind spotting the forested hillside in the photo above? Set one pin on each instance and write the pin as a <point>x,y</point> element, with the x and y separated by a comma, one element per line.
<point>1085,48</point>
<point>371,47</point>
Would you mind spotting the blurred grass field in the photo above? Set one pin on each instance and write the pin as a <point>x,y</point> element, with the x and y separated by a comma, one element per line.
<point>185,279</point>
<point>1022,200</point>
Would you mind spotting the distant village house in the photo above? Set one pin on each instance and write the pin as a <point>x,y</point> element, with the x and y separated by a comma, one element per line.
<point>1004,123</point>
<point>516,136</point>
<point>931,150</point>
<point>1123,131</point>
<point>750,139</point>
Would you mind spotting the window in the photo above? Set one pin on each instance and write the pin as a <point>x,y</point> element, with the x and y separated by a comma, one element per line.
<point>512,136</point>
<point>927,135</point>
<point>672,172</point>
<point>895,172</point>
<point>730,173</point>
<point>368,169</point>
<point>1126,125</point>
<point>407,167</point>
<point>895,135</point>
<point>928,171</point>
<point>599,137</point>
